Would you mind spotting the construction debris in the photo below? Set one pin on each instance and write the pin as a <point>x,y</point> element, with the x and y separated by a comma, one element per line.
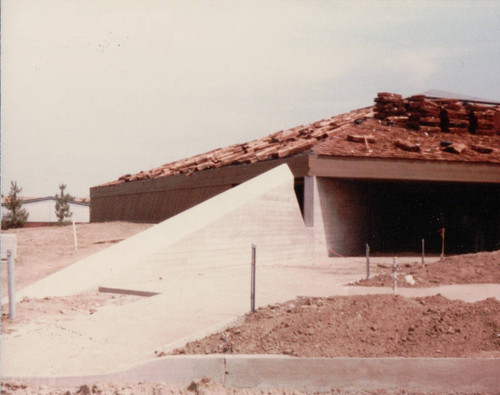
<point>455,148</point>
<point>407,146</point>
<point>360,138</point>
<point>482,149</point>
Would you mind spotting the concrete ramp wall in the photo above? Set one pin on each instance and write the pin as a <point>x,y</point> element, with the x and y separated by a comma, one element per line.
<point>272,221</point>
<point>217,232</point>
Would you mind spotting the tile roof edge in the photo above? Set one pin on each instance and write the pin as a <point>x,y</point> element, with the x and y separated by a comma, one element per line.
<point>244,151</point>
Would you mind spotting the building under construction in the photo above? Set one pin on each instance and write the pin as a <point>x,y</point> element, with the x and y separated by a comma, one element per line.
<point>388,175</point>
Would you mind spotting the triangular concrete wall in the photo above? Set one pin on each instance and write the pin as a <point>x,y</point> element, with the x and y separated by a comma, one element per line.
<point>217,232</point>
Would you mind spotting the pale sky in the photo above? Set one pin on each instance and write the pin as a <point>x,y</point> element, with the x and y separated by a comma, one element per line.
<point>93,89</point>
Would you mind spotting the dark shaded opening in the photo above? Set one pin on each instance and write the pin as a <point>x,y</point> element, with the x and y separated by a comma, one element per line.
<point>298,186</point>
<point>402,214</point>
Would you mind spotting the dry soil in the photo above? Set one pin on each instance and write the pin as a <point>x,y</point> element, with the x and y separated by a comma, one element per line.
<point>45,250</point>
<point>480,268</point>
<point>204,386</point>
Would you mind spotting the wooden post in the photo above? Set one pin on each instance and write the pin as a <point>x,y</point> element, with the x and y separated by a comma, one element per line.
<point>367,261</point>
<point>394,275</point>
<point>423,251</point>
<point>12,284</point>
<point>442,242</point>
<point>252,280</point>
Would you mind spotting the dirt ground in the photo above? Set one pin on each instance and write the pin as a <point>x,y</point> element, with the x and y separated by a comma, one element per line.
<point>481,268</point>
<point>369,326</point>
<point>45,250</point>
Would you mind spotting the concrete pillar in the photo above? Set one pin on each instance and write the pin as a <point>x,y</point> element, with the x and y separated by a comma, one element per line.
<point>309,186</point>
<point>340,217</point>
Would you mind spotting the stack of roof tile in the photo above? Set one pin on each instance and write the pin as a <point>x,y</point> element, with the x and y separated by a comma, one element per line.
<point>436,115</point>
<point>390,105</point>
<point>423,113</point>
<point>482,119</point>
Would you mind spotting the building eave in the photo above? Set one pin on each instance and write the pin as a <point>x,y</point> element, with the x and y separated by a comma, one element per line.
<point>403,169</point>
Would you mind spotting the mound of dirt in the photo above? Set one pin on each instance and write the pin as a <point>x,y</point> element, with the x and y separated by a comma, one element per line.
<point>481,268</point>
<point>363,326</point>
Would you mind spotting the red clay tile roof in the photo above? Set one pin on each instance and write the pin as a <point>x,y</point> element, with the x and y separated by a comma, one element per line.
<point>413,128</point>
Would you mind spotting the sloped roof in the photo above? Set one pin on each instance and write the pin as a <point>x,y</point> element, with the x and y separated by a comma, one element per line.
<point>417,127</point>
<point>277,145</point>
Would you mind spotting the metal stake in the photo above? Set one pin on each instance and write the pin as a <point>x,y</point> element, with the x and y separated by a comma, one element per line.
<point>423,251</point>
<point>11,281</point>
<point>367,261</point>
<point>252,283</point>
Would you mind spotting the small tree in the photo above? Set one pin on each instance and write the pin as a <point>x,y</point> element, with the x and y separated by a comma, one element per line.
<point>17,216</point>
<point>62,206</point>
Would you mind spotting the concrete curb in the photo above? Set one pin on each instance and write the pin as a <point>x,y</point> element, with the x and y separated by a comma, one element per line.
<point>175,370</point>
<point>306,374</point>
<point>319,374</point>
